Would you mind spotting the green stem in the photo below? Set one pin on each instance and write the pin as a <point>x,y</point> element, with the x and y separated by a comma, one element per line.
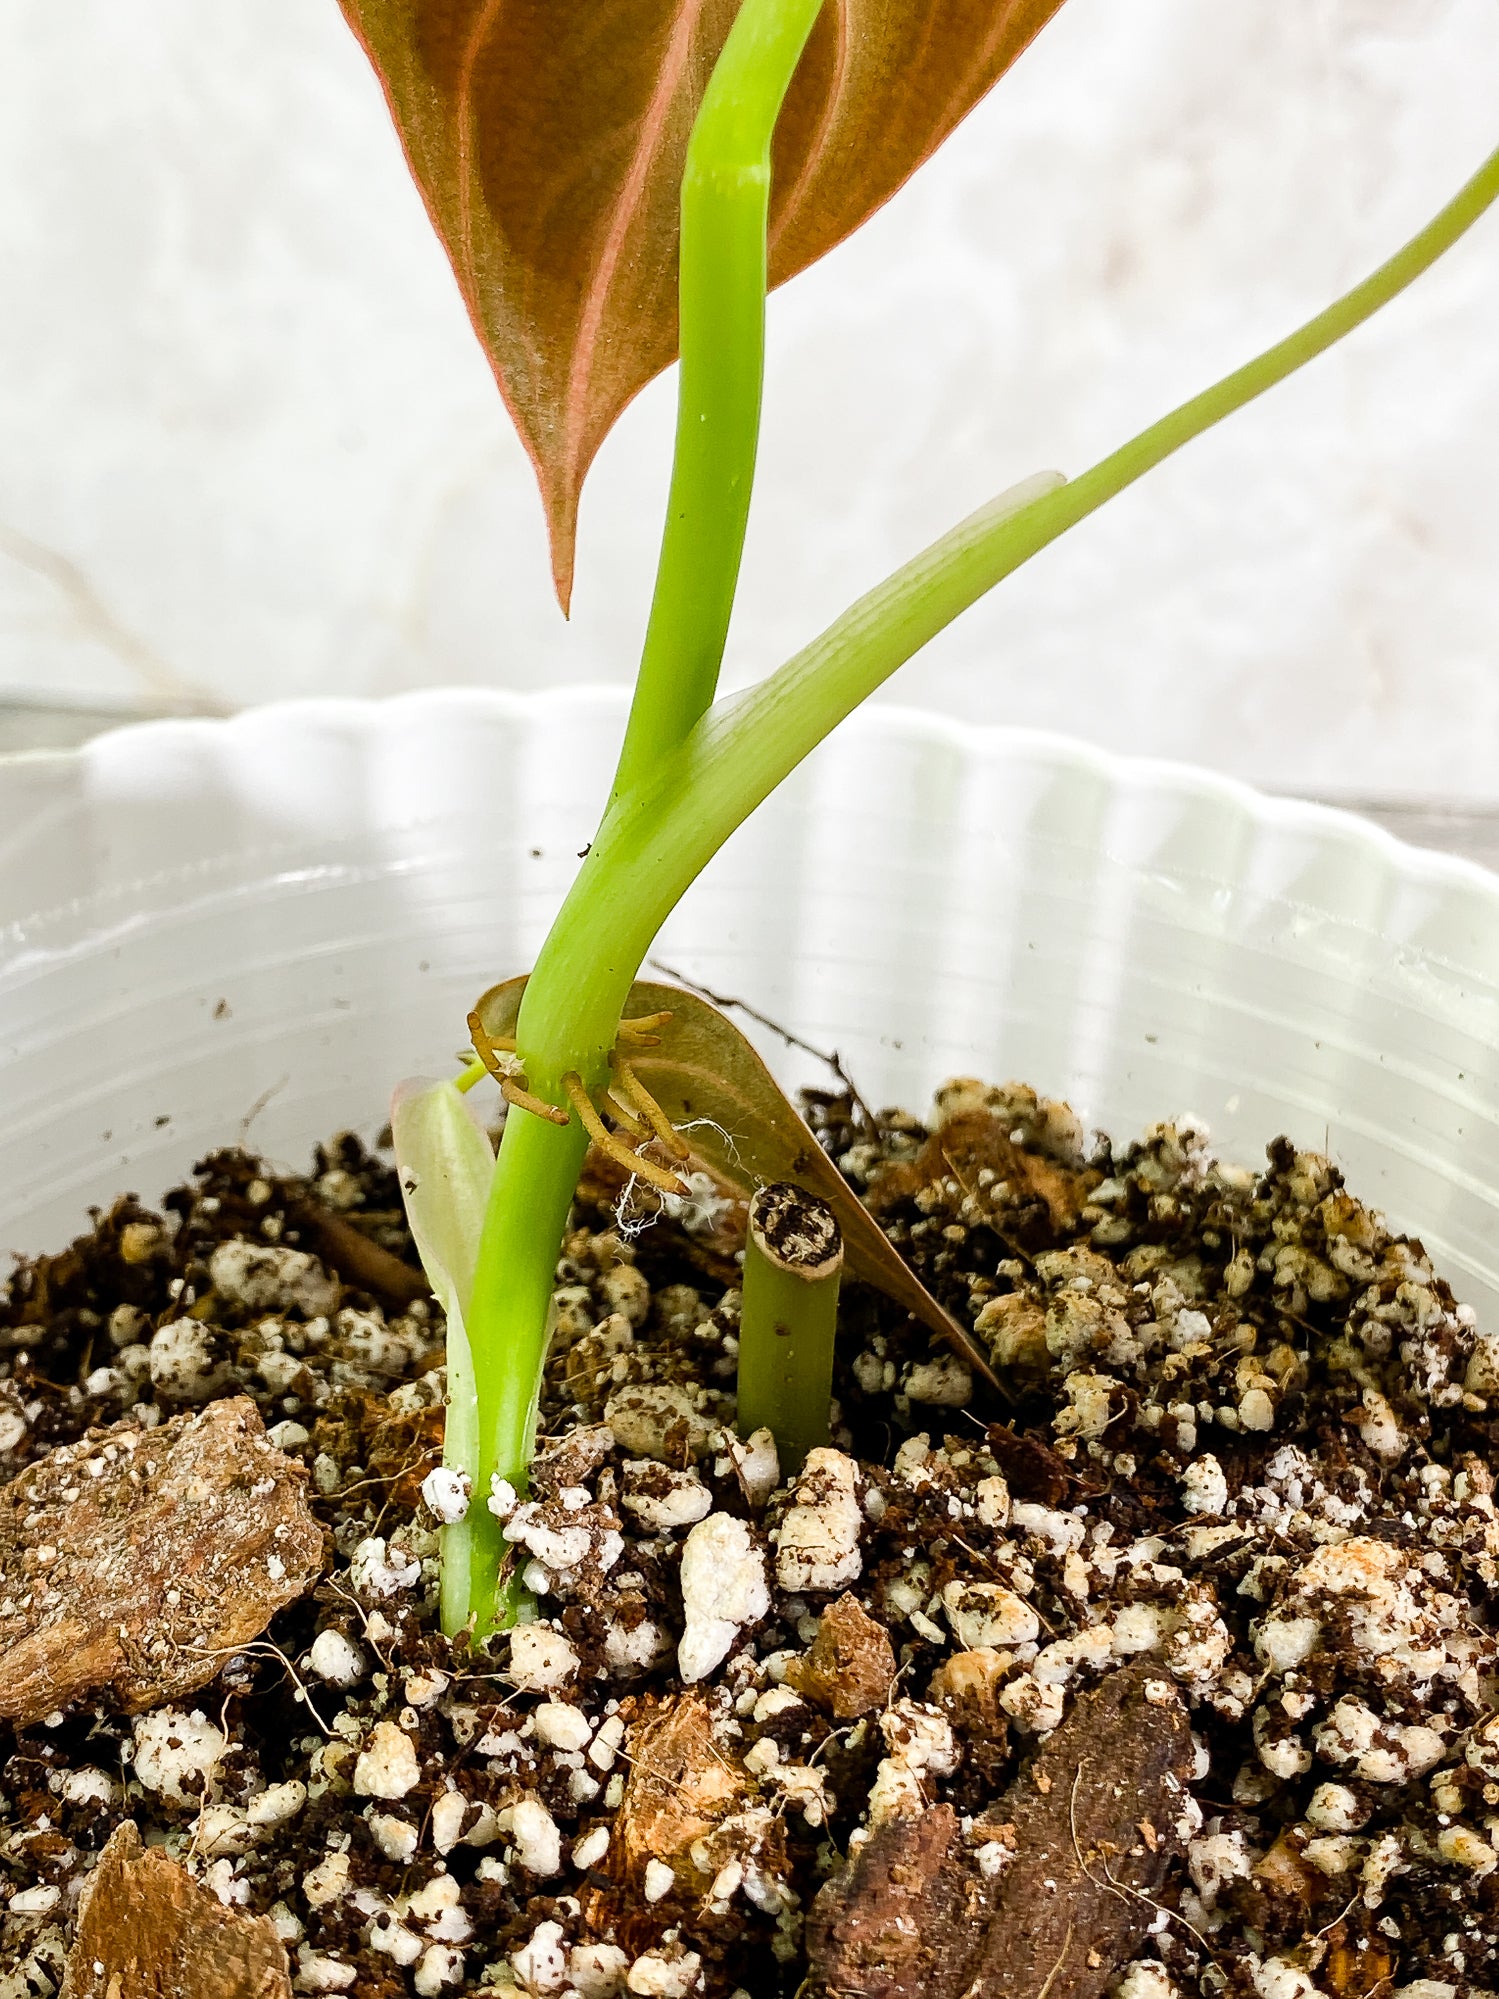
<point>788,1315</point>
<point>535,1176</point>
<point>725,204</point>
<point>654,843</point>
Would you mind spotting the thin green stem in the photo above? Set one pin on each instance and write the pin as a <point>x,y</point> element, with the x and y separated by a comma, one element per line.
<point>788,1316</point>
<point>535,1176</point>
<point>725,203</point>
<point>654,843</point>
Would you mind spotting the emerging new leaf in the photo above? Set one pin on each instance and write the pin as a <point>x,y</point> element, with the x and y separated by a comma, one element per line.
<point>548,142</point>
<point>445,1164</point>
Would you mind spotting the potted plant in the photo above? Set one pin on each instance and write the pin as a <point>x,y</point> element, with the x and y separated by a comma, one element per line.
<point>1120,1671</point>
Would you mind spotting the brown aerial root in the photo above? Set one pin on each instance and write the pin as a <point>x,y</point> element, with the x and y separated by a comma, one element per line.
<point>626,1119</point>
<point>490,1047</point>
<point>648,1108</point>
<point>640,1032</point>
<point>514,1093</point>
<point>611,1143</point>
<point>491,1050</point>
<point>641,1119</point>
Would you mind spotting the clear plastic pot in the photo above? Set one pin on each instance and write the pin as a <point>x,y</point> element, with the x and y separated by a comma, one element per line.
<point>249,930</point>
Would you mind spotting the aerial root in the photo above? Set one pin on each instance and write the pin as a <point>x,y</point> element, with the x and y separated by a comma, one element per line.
<point>626,1119</point>
<point>640,1032</point>
<point>648,1108</point>
<point>612,1144</point>
<point>491,1049</point>
<point>641,1119</point>
<point>513,1093</point>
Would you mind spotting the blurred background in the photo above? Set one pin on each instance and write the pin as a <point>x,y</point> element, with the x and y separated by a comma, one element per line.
<point>249,449</point>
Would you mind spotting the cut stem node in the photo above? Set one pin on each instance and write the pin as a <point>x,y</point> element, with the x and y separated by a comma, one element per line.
<point>793,1260</point>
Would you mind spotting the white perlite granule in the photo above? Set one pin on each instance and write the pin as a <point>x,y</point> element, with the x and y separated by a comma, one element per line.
<point>540,1658</point>
<point>381,1570</point>
<point>447,1491</point>
<point>264,1277</point>
<point>819,1544</point>
<point>387,1766</point>
<point>1204,1488</point>
<point>177,1754</point>
<point>562,1726</point>
<point>336,1659</point>
<point>724,1590</point>
<point>538,1843</point>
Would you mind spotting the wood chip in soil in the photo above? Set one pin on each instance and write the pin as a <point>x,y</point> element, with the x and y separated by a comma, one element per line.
<point>148,1931</point>
<point>135,1560</point>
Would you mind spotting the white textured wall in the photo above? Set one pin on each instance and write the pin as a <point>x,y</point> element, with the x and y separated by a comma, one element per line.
<point>248,449</point>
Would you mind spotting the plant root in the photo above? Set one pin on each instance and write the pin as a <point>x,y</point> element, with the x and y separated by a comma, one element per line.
<point>515,1093</point>
<point>641,1031</point>
<point>626,1119</point>
<point>491,1049</point>
<point>648,1108</point>
<point>611,1143</point>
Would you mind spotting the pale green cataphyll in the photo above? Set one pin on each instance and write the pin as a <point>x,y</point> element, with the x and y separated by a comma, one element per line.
<point>616,182</point>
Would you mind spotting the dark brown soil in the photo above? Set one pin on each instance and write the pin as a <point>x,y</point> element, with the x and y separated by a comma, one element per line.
<point>1176,1676</point>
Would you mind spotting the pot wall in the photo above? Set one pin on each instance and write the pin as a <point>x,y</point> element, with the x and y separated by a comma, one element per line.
<point>255,927</point>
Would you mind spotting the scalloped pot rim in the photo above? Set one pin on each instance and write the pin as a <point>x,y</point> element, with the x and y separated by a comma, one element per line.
<point>345,876</point>
<point>1048,746</point>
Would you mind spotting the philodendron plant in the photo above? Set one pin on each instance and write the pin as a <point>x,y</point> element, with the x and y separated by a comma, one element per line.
<point>615,182</point>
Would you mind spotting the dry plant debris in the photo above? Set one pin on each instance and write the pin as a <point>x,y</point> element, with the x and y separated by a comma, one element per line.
<point>1049,1890</point>
<point>1201,1627</point>
<point>849,1668</point>
<point>146,1930</point>
<point>134,1560</point>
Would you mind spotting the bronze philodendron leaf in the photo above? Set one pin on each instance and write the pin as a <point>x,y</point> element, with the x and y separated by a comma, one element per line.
<point>746,1132</point>
<point>548,139</point>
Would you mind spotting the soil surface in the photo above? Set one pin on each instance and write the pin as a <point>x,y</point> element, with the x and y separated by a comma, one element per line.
<point>1175,1675</point>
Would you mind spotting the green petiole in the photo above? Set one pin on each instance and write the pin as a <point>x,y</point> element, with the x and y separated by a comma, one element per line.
<point>654,844</point>
<point>725,206</point>
<point>788,1315</point>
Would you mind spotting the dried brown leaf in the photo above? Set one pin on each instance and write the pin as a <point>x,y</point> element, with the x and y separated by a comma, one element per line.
<point>548,142</point>
<point>746,1132</point>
